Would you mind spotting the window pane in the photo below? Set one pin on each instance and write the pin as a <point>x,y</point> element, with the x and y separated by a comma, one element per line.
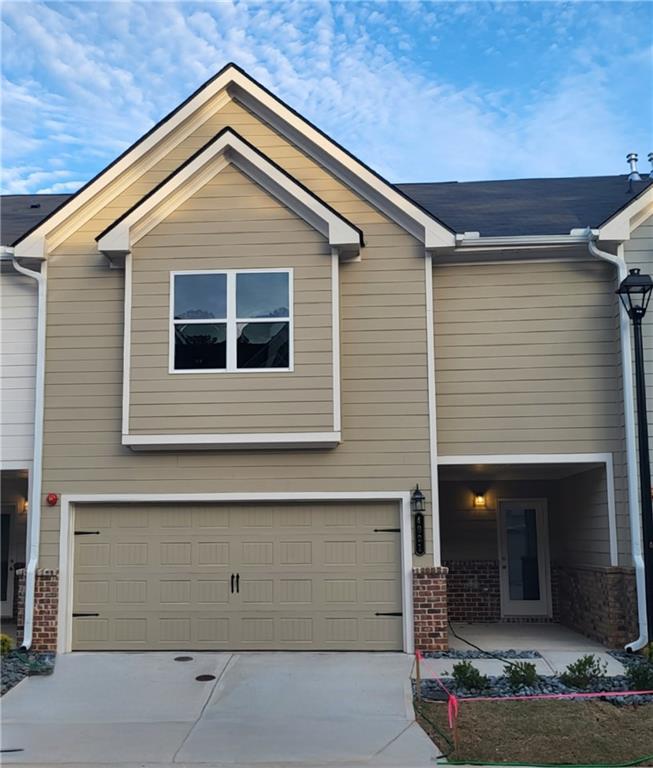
<point>263,345</point>
<point>262,294</point>
<point>200,345</point>
<point>200,296</point>
<point>523,566</point>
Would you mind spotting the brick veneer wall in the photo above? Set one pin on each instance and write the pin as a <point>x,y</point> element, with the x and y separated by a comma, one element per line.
<point>473,590</point>
<point>430,609</point>
<point>46,598</point>
<point>600,602</point>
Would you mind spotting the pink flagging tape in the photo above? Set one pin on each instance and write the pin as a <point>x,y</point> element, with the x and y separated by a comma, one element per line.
<point>592,695</point>
<point>453,700</point>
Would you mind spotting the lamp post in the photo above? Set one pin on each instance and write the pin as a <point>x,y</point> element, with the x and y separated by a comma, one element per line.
<point>635,294</point>
<point>417,507</point>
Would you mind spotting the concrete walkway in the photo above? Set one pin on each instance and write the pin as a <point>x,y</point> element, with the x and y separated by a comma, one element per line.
<point>260,709</point>
<point>558,647</point>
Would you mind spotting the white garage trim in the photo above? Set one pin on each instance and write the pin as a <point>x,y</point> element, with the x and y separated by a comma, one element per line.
<point>67,529</point>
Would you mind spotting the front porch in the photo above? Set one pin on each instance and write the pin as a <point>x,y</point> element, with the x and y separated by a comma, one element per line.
<point>535,544</point>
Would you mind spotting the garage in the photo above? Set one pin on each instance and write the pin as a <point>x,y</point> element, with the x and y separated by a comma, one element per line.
<point>264,576</point>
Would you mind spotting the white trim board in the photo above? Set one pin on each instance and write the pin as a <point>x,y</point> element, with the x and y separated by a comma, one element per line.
<point>231,441</point>
<point>555,458</point>
<point>67,528</point>
<point>225,149</point>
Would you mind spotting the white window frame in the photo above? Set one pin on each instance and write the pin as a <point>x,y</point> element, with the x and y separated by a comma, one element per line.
<point>231,321</point>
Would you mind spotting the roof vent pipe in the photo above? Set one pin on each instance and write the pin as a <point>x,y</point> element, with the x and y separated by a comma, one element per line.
<point>650,159</point>
<point>631,158</point>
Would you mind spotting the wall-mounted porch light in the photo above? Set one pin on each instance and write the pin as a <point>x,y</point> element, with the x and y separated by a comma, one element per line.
<point>480,501</point>
<point>417,507</point>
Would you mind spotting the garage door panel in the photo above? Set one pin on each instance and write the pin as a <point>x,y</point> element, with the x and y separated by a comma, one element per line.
<point>310,577</point>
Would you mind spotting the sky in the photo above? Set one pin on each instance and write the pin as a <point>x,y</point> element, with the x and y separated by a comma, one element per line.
<point>433,91</point>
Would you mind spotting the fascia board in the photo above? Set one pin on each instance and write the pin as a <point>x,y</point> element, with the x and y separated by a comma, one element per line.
<point>200,169</point>
<point>620,226</point>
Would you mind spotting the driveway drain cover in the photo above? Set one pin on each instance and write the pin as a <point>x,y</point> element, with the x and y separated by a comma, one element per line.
<point>204,678</point>
<point>183,658</point>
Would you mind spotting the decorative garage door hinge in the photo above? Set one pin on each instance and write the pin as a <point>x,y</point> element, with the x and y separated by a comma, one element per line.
<point>395,613</point>
<point>87,533</point>
<point>387,530</point>
<point>84,615</point>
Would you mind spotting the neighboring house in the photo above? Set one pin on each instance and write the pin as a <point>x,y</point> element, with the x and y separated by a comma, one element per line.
<point>255,349</point>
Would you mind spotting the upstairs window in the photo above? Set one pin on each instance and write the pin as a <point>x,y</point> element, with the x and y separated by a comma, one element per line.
<point>236,320</point>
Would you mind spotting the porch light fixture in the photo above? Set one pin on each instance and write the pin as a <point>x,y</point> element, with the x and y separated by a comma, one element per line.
<point>635,294</point>
<point>479,501</point>
<point>417,507</point>
<point>417,501</point>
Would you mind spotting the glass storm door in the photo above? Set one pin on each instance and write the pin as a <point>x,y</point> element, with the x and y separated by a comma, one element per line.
<point>524,558</point>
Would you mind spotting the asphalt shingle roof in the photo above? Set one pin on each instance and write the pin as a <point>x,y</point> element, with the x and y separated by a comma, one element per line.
<point>18,213</point>
<point>493,208</point>
<point>526,206</point>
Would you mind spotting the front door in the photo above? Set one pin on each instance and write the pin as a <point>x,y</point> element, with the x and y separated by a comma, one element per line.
<point>524,558</point>
<point>7,518</point>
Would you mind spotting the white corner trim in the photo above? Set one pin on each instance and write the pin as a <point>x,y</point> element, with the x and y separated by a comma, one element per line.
<point>224,441</point>
<point>432,410</point>
<point>96,196</point>
<point>67,528</point>
<point>127,342</point>
<point>227,148</point>
<point>621,225</point>
<point>555,458</point>
<point>335,339</point>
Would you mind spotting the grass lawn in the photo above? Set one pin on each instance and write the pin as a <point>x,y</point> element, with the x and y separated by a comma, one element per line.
<point>579,732</point>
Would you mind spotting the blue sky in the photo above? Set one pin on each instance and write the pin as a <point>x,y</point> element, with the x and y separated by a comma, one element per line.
<point>421,91</point>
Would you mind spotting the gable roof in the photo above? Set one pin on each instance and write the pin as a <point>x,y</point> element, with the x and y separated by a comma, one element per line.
<point>232,79</point>
<point>523,207</point>
<point>226,147</point>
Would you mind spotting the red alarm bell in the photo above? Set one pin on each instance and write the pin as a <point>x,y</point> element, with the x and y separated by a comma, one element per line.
<point>52,499</point>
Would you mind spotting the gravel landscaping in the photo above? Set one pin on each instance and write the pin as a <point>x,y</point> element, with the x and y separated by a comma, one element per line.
<point>509,654</point>
<point>16,665</point>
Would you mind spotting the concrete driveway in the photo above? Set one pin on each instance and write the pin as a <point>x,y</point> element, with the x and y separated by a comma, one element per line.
<point>290,709</point>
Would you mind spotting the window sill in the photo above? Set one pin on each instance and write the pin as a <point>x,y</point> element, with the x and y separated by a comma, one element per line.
<point>236,441</point>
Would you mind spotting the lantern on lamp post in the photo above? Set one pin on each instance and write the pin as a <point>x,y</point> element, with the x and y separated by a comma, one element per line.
<point>417,507</point>
<point>635,293</point>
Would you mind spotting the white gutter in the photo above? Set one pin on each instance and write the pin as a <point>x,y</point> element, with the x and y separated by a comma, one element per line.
<point>631,454</point>
<point>35,501</point>
<point>474,240</point>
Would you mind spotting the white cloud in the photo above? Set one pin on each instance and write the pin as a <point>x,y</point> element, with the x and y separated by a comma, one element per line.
<point>82,81</point>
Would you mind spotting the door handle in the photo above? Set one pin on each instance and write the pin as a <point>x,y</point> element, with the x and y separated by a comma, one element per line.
<point>238,583</point>
<point>232,583</point>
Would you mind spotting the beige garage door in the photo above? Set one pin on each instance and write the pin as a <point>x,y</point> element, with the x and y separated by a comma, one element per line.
<point>291,576</point>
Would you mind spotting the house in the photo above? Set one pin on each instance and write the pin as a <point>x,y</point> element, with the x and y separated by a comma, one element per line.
<point>252,360</point>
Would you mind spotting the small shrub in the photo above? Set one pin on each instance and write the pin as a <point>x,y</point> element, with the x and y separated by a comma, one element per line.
<point>640,675</point>
<point>521,674</point>
<point>5,644</point>
<point>467,676</point>
<point>584,671</point>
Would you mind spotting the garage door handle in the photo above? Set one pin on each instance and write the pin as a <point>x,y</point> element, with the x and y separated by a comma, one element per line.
<point>84,615</point>
<point>238,583</point>
<point>395,613</point>
<point>232,583</point>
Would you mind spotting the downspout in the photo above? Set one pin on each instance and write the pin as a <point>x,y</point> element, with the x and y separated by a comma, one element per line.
<point>35,501</point>
<point>631,453</point>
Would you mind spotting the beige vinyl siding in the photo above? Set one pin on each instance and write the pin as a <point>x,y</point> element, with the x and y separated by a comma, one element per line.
<point>527,358</point>
<point>300,400</point>
<point>18,300</point>
<point>638,252</point>
<point>383,366</point>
